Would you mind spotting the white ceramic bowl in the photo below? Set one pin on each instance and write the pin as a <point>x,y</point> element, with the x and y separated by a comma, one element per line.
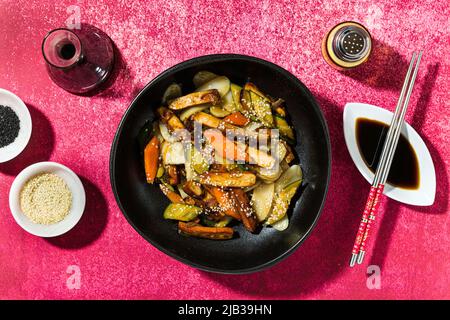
<point>425,193</point>
<point>78,199</point>
<point>14,102</point>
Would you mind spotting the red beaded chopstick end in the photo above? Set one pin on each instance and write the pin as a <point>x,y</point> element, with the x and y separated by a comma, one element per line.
<point>361,235</point>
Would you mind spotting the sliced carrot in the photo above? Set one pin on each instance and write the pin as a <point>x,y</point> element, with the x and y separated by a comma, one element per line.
<point>171,195</point>
<point>237,119</point>
<point>225,200</point>
<point>245,210</point>
<point>151,157</point>
<point>224,147</point>
<point>196,230</point>
<point>211,206</point>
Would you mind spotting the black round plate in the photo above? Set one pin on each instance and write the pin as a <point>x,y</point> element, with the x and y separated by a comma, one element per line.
<point>143,204</point>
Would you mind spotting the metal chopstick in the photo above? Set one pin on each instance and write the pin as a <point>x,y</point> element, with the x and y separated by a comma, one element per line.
<point>391,146</point>
<point>398,130</point>
<point>378,184</point>
<point>394,122</point>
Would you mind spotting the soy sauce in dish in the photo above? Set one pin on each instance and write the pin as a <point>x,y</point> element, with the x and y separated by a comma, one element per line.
<point>370,137</point>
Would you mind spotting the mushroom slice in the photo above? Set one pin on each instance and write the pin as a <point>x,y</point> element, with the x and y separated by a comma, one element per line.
<point>193,99</point>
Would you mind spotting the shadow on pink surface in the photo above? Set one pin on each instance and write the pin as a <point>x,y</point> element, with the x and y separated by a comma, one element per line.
<point>123,79</point>
<point>440,206</point>
<point>420,113</point>
<point>385,69</point>
<point>92,222</point>
<point>121,82</point>
<point>325,254</point>
<point>40,146</point>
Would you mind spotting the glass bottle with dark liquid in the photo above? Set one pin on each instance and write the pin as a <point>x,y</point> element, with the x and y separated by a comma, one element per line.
<point>370,137</point>
<point>78,60</point>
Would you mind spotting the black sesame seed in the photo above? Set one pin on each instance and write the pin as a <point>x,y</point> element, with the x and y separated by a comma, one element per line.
<point>9,126</point>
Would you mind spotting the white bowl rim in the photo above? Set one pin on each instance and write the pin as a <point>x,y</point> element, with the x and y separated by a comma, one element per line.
<point>424,195</point>
<point>78,199</point>
<point>11,151</point>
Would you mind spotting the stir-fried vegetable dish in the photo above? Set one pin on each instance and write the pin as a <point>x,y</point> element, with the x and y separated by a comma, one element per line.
<point>222,155</point>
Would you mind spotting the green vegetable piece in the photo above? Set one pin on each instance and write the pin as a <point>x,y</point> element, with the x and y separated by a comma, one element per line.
<point>219,112</point>
<point>261,109</point>
<point>202,77</point>
<point>223,222</point>
<point>172,92</point>
<point>182,212</point>
<point>160,172</point>
<point>242,167</point>
<point>236,94</point>
<point>286,131</point>
<point>282,201</point>
<point>199,163</point>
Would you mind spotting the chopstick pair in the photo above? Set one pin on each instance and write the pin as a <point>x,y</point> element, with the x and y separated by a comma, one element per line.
<point>384,165</point>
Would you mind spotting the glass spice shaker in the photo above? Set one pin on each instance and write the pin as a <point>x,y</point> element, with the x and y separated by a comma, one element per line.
<point>78,60</point>
<point>347,45</point>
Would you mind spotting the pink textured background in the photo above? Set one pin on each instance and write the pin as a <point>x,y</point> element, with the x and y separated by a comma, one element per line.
<point>412,246</point>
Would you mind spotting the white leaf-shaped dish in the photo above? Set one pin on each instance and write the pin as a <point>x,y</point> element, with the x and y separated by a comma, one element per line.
<point>425,193</point>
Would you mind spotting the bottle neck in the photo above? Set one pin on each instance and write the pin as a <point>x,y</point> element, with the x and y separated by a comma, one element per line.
<point>62,48</point>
